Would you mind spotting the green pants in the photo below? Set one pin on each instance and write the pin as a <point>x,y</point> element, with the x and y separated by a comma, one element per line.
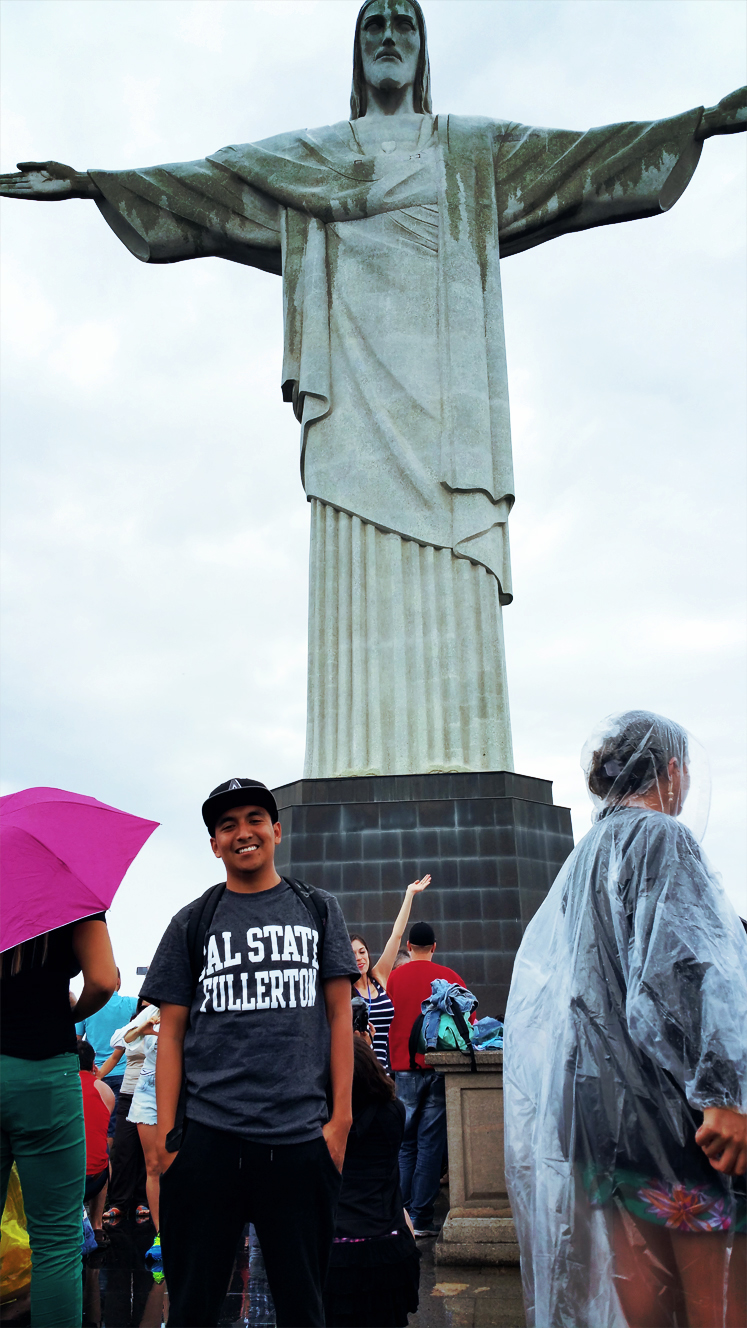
<point>41,1130</point>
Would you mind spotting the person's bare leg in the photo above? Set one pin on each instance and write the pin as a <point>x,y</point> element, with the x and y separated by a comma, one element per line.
<point>736,1300</point>
<point>153,1171</point>
<point>644,1272</point>
<point>96,1207</point>
<point>701,1259</point>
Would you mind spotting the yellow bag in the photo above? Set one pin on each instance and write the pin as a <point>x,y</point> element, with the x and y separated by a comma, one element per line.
<point>15,1255</point>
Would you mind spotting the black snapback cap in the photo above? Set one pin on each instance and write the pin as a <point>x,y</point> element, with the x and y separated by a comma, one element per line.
<point>422,934</point>
<point>237,793</point>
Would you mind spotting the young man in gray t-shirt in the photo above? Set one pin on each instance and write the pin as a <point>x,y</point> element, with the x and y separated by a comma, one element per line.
<point>258,1041</point>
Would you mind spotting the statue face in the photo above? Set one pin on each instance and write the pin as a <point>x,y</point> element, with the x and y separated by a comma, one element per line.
<point>390,44</point>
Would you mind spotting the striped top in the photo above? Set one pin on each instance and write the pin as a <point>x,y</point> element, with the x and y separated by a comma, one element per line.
<point>381,1014</point>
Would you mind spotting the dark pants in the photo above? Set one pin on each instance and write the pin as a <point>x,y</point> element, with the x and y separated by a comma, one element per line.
<point>113,1081</point>
<point>216,1184</point>
<point>423,1093</point>
<point>127,1185</point>
<point>95,1184</point>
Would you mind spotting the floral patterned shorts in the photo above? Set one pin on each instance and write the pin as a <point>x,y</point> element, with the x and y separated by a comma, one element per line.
<point>685,1206</point>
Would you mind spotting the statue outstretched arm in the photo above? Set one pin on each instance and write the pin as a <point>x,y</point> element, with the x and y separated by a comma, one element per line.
<point>166,214</point>
<point>552,182</point>
<point>728,117</point>
<point>47,182</point>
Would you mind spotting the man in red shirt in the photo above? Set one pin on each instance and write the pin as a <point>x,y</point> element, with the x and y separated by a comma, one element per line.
<point>422,1091</point>
<point>98,1103</point>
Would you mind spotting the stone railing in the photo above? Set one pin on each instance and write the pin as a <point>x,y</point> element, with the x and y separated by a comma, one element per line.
<point>479,1227</point>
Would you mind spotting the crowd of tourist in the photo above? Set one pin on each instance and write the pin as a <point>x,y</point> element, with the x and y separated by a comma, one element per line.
<point>244,1084</point>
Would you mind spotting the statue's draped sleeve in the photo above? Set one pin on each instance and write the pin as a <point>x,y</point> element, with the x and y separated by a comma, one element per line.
<point>193,209</point>
<point>550,182</point>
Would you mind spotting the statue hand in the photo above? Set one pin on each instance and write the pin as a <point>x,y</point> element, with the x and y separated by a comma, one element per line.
<point>47,182</point>
<point>729,117</point>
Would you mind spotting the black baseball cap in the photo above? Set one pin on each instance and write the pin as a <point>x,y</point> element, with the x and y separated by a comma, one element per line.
<point>237,793</point>
<point>422,934</point>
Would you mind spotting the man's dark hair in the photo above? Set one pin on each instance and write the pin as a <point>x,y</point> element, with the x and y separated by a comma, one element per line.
<point>86,1056</point>
<point>421,93</point>
<point>371,1083</point>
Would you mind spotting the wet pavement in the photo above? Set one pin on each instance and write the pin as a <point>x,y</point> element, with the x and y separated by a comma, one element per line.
<point>120,1291</point>
<point>469,1298</point>
<point>452,1296</point>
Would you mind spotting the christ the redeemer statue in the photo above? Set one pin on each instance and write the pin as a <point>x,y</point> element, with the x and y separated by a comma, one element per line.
<point>387,229</point>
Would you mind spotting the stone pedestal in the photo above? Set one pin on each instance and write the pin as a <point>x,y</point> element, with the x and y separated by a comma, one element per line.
<point>479,1228</point>
<point>493,842</point>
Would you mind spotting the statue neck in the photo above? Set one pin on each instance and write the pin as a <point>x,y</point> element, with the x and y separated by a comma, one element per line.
<point>389,101</point>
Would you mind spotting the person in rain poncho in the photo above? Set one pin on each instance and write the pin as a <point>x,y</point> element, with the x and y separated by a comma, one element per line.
<point>626,1062</point>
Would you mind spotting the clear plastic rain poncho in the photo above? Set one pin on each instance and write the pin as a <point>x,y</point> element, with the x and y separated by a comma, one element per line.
<point>627,1017</point>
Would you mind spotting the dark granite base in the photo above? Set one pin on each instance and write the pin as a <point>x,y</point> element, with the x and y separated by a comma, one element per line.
<point>492,841</point>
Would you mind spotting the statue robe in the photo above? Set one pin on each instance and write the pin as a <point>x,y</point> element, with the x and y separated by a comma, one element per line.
<point>394,361</point>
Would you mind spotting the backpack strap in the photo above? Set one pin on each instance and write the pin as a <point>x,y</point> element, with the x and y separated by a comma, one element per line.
<point>201,915</point>
<point>316,906</point>
<point>464,1032</point>
<point>413,1043</point>
<point>203,912</point>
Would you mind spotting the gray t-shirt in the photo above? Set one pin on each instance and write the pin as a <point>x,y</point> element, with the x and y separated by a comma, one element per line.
<point>256,1052</point>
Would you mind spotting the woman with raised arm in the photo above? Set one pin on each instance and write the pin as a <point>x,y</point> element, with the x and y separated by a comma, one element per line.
<point>371,984</point>
<point>625,1059</point>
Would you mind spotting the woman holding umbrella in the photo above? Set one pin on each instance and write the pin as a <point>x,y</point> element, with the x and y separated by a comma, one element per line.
<point>41,1108</point>
<point>61,852</point>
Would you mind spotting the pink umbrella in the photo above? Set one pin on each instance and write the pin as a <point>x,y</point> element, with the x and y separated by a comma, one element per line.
<point>63,858</point>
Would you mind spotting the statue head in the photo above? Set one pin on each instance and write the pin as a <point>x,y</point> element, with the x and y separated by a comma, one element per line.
<point>398,27</point>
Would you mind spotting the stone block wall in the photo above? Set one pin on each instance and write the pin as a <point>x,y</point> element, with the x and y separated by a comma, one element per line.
<point>492,841</point>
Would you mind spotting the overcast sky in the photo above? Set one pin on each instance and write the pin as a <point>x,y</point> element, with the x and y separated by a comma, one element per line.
<point>155,528</point>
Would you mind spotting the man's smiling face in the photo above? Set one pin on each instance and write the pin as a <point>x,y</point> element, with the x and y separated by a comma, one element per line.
<point>390,44</point>
<point>245,839</point>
